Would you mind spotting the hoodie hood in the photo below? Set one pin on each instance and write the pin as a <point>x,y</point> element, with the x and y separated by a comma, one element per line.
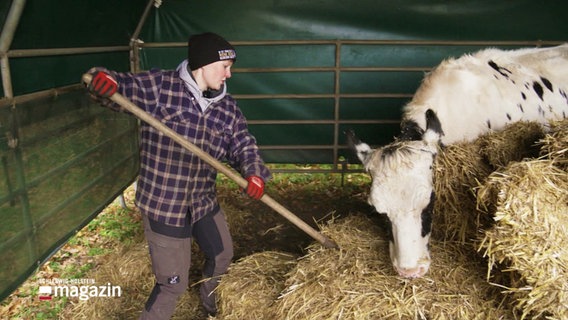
<point>204,99</point>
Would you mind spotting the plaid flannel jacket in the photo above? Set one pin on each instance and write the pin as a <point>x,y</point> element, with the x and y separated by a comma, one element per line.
<point>173,183</point>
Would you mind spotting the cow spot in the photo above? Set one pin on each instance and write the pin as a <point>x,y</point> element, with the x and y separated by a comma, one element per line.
<point>427,214</point>
<point>546,83</point>
<point>502,71</point>
<point>564,95</point>
<point>538,89</point>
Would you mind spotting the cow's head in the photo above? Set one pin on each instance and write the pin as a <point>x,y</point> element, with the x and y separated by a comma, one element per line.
<point>403,190</point>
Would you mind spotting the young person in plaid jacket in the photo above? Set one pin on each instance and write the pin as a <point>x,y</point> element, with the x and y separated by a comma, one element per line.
<point>176,189</point>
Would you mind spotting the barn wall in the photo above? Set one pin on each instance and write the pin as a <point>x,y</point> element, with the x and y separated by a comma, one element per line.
<point>62,158</point>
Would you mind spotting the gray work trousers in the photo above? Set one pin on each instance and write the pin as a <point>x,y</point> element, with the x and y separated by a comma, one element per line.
<point>171,259</point>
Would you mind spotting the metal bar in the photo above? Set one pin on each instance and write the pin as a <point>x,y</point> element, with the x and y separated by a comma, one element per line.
<point>74,87</point>
<point>6,41</point>
<point>135,42</point>
<point>284,96</point>
<point>369,121</point>
<point>39,95</point>
<point>63,51</point>
<point>387,69</point>
<point>453,42</point>
<point>6,77</point>
<point>302,147</point>
<point>321,96</point>
<point>536,43</point>
<point>377,95</point>
<point>142,19</point>
<point>11,24</point>
<point>134,56</point>
<point>280,69</point>
<point>296,147</point>
<point>164,44</point>
<point>336,104</point>
<point>318,170</point>
<point>285,122</point>
<point>331,69</point>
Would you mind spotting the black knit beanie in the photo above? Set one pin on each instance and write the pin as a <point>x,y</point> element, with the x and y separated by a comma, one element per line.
<point>206,48</point>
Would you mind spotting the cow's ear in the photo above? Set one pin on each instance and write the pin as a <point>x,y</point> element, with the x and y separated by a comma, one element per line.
<point>361,149</point>
<point>433,123</point>
<point>352,139</point>
<point>434,131</point>
<point>410,131</point>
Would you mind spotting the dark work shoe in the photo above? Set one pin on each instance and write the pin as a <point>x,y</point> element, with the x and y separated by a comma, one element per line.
<point>209,314</point>
<point>210,310</point>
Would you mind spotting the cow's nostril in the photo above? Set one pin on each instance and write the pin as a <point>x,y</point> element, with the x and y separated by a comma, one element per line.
<point>411,273</point>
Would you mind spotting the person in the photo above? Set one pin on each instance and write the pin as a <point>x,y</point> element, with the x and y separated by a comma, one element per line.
<point>176,190</point>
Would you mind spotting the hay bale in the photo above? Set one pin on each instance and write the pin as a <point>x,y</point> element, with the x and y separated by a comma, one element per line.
<point>460,168</point>
<point>530,235</point>
<point>555,143</point>
<point>357,281</point>
<point>515,143</point>
<point>252,284</point>
<point>457,171</point>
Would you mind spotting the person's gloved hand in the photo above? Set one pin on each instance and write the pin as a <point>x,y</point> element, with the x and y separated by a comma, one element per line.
<point>255,187</point>
<point>103,85</point>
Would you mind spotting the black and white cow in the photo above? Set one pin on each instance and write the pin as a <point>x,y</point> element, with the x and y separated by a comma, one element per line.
<point>459,100</point>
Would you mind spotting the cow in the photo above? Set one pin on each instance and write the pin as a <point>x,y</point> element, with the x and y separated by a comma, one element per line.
<point>457,101</point>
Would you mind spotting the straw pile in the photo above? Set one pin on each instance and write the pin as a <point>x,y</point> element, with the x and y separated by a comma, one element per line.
<point>461,168</point>
<point>515,143</point>
<point>458,170</point>
<point>513,212</point>
<point>555,144</point>
<point>252,285</point>
<point>129,268</point>
<point>530,203</point>
<point>530,236</point>
<point>357,281</point>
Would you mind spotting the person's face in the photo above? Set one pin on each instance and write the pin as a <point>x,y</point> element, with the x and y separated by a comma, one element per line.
<point>215,74</point>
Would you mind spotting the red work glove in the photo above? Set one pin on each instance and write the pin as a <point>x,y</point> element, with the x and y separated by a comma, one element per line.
<point>255,187</point>
<point>103,85</point>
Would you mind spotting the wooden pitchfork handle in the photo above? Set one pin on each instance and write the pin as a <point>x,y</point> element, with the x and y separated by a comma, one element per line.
<point>146,117</point>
